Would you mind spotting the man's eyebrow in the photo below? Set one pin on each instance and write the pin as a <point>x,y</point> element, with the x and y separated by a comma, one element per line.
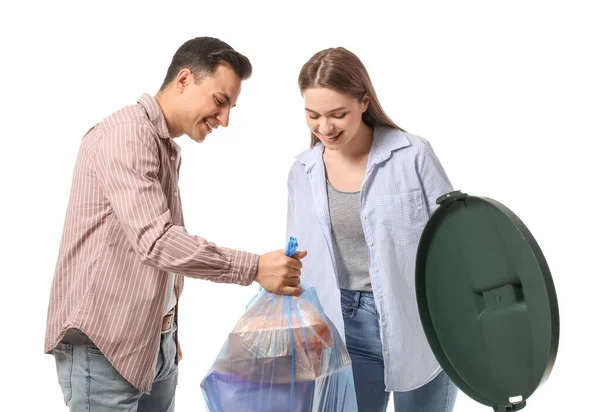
<point>226,98</point>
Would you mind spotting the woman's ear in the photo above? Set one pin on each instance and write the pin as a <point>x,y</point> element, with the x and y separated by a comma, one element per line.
<point>365,103</point>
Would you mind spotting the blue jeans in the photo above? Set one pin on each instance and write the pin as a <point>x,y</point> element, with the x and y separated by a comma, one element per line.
<point>361,322</point>
<point>90,383</point>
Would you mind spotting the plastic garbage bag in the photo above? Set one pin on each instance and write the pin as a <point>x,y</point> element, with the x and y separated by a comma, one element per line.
<point>284,354</point>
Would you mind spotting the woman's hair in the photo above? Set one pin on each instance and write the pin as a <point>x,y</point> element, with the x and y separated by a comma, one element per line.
<point>341,70</point>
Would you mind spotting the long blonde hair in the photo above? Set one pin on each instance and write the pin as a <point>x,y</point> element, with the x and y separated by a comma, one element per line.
<point>341,70</point>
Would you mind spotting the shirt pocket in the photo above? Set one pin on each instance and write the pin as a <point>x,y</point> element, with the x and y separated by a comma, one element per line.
<point>400,217</point>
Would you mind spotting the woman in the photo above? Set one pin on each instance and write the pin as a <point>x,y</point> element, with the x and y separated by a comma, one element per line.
<point>359,199</point>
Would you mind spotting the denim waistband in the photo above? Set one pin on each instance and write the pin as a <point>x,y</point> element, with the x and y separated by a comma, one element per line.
<point>357,297</point>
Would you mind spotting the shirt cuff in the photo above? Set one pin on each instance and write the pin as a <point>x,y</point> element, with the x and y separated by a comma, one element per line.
<point>244,266</point>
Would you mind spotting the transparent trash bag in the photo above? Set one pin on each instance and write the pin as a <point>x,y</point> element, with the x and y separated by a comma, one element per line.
<point>284,354</point>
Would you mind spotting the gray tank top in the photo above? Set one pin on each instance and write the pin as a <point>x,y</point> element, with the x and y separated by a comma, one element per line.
<point>349,245</point>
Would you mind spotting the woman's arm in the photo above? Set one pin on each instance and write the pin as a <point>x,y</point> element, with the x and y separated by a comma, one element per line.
<point>432,175</point>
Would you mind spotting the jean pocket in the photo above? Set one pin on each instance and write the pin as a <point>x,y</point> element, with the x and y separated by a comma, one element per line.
<point>348,312</point>
<point>100,366</point>
<point>63,356</point>
<point>348,307</point>
<point>400,217</point>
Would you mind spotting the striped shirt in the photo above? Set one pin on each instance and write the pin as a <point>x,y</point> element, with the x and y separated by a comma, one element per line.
<point>398,195</point>
<point>123,233</point>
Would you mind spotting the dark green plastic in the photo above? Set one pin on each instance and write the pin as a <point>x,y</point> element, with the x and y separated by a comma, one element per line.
<point>486,300</point>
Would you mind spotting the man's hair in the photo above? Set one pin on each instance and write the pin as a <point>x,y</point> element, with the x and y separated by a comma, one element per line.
<point>203,55</point>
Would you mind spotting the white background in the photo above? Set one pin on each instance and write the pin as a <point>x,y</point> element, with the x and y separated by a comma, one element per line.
<point>507,93</point>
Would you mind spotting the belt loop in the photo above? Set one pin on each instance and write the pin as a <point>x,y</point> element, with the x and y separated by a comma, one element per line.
<point>357,299</point>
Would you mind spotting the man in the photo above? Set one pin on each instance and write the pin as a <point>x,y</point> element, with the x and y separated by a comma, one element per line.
<point>113,304</point>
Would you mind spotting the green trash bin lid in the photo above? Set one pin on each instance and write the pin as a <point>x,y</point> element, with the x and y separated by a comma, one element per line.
<point>486,300</point>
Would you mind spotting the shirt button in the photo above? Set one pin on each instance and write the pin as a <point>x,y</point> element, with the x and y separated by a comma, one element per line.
<point>376,269</point>
<point>172,157</point>
<point>383,323</point>
<point>365,217</point>
<point>385,353</point>
<point>370,243</point>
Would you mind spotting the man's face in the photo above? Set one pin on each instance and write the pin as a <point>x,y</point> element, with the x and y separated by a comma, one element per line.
<point>205,105</point>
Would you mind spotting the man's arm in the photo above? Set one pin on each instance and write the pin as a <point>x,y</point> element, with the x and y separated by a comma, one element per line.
<point>127,164</point>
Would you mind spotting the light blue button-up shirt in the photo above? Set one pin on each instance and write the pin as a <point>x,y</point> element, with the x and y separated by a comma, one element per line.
<point>403,179</point>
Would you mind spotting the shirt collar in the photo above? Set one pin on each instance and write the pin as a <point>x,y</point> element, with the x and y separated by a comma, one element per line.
<point>385,141</point>
<point>155,114</point>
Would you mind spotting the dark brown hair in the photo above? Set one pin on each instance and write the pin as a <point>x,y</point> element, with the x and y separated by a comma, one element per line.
<point>202,55</point>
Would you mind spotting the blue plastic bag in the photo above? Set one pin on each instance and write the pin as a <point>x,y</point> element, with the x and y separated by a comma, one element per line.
<point>284,354</point>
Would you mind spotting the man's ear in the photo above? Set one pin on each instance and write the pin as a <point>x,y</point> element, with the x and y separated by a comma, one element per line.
<point>183,79</point>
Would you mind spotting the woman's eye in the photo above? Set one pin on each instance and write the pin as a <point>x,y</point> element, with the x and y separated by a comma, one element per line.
<point>219,102</point>
<point>314,117</point>
<point>340,116</point>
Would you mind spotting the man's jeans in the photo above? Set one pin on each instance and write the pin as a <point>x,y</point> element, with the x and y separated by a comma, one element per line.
<point>90,383</point>
<point>364,345</point>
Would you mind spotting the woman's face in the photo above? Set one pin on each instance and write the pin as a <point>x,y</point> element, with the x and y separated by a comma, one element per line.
<point>333,117</point>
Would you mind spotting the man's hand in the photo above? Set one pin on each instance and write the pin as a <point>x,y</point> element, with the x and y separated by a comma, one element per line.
<point>279,273</point>
<point>179,352</point>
